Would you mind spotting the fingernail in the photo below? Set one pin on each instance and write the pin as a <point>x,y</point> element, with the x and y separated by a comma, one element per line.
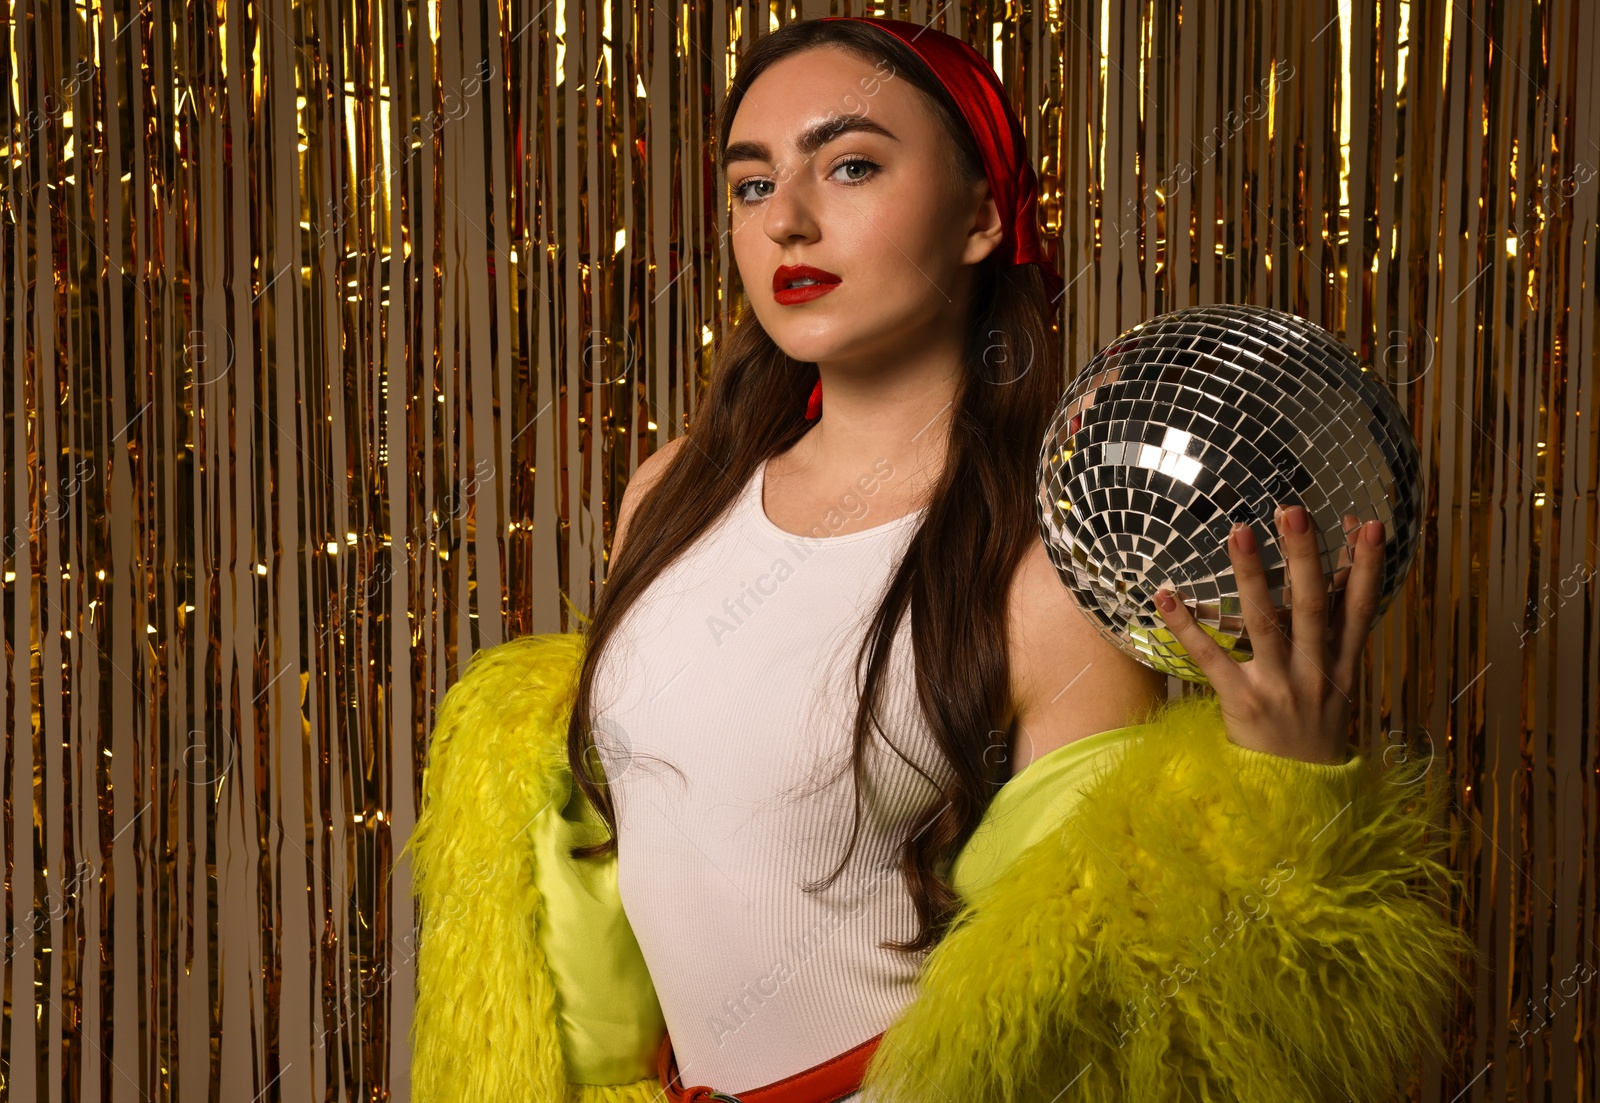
<point>1244,537</point>
<point>1374,533</point>
<point>1164,600</point>
<point>1298,521</point>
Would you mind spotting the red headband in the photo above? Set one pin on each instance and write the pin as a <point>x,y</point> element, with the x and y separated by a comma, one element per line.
<point>976,88</point>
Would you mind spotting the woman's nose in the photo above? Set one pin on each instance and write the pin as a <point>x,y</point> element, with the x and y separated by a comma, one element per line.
<point>789,213</point>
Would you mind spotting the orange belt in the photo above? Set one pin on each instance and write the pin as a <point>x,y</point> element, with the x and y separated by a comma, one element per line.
<point>834,1079</point>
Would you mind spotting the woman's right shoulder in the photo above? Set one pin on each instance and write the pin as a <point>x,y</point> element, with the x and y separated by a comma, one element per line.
<point>649,473</point>
<point>656,462</point>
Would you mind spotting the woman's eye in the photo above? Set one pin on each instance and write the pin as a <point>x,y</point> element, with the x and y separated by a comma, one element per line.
<point>854,161</point>
<point>744,196</point>
<point>855,170</point>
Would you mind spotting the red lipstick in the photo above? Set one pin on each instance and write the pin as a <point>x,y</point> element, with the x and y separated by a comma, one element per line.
<point>793,296</point>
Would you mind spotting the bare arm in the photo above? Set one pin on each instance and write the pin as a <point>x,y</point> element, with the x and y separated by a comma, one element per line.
<point>650,471</point>
<point>1067,680</point>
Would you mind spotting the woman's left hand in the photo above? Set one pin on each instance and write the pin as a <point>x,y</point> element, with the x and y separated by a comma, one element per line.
<point>1292,697</point>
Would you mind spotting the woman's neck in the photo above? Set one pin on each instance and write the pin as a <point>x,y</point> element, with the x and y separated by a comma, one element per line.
<point>886,442</point>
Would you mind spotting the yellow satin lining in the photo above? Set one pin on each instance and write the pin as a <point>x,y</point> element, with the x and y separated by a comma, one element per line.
<point>606,1007</point>
<point>1028,807</point>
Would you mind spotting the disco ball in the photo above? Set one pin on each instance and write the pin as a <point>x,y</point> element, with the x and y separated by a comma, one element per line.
<point>1199,418</point>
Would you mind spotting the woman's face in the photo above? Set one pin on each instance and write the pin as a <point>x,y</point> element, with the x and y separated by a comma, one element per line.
<point>835,163</point>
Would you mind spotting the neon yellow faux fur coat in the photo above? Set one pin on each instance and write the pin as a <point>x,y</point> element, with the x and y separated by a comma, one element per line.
<point>1199,922</point>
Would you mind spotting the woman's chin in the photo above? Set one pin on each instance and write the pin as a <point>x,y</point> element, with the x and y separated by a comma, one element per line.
<point>810,348</point>
<point>844,337</point>
<point>821,343</point>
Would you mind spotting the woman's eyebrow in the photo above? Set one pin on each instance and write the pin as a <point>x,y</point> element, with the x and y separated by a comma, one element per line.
<point>815,137</point>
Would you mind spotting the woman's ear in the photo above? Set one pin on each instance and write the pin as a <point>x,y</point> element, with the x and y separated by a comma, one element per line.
<point>984,231</point>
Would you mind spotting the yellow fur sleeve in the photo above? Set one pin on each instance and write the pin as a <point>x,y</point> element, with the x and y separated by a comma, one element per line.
<point>1206,922</point>
<point>514,934</point>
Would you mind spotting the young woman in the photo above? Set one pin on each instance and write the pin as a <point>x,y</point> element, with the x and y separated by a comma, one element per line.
<point>831,647</point>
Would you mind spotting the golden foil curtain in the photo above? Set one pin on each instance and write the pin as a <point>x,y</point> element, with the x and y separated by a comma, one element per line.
<point>333,329</point>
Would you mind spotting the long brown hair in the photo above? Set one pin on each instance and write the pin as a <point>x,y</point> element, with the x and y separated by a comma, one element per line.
<point>957,570</point>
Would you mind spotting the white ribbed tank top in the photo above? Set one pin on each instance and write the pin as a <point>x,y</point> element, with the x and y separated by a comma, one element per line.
<point>736,667</point>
